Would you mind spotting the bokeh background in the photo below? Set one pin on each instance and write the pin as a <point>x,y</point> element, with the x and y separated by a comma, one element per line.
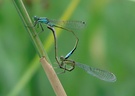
<point>107,42</point>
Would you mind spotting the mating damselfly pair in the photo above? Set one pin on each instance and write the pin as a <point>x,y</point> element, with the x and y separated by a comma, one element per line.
<point>63,61</point>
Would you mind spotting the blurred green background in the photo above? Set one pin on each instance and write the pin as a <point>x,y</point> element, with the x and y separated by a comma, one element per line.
<point>107,42</point>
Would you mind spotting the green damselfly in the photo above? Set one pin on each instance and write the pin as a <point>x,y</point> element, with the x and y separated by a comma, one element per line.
<point>64,61</point>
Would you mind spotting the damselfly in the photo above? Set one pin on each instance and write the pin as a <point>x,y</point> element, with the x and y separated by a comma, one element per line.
<point>59,24</point>
<point>63,61</point>
<point>65,25</point>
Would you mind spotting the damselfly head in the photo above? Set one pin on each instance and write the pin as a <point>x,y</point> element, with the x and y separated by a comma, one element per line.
<point>36,18</point>
<point>62,58</point>
<point>83,22</point>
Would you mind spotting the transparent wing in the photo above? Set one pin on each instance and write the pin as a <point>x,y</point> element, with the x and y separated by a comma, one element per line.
<point>69,24</point>
<point>101,74</point>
